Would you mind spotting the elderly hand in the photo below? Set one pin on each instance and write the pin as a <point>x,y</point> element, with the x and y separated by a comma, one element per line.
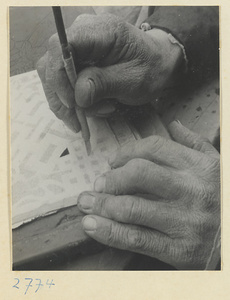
<point>113,59</point>
<point>161,199</point>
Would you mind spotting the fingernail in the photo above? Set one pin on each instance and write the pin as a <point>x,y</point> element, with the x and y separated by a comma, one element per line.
<point>86,201</point>
<point>91,90</point>
<point>178,121</point>
<point>99,185</point>
<point>76,125</point>
<point>65,102</point>
<point>89,223</point>
<point>71,102</point>
<point>83,92</point>
<point>106,110</point>
<point>112,158</point>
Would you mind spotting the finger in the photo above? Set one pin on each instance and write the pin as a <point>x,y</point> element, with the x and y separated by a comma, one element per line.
<point>56,76</point>
<point>141,176</point>
<point>94,84</point>
<point>155,149</point>
<point>68,116</point>
<point>130,210</point>
<point>93,38</point>
<point>130,237</point>
<point>190,139</point>
<point>41,67</point>
<point>100,109</point>
<point>91,41</point>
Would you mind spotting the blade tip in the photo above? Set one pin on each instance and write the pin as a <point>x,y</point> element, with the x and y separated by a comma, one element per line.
<point>88,147</point>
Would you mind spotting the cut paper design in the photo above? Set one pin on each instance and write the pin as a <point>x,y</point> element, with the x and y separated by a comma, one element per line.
<point>43,177</point>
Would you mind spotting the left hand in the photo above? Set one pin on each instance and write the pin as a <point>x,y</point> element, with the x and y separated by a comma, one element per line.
<point>162,199</point>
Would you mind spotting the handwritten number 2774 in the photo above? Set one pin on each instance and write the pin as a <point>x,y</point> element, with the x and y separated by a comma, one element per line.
<point>39,284</point>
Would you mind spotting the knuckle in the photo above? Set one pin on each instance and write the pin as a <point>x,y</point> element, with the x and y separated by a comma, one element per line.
<point>115,235</point>
<point>132,210</point>
<point>82,17</point>
<point>204,140</point>
<point>114,181</point>
<point>53,41</point>
<point>157,142</point>
<point>189,253</point>
<point>110,19</point>
<point>125,153</point>
<point>86,18</point>
<point>41,68</point>
<point>196,252</point>
<point>135,239</point>
<point>206,191</point>
<point>201,144</point>
<point>175,227</point>
<point>136,170</point>
<point>206,225</point>
<point>214,166</point>
<point>101,205</point>
<point>210,197</point>
<point>132,164</point>
<point>192,247</point>
<point>143,177</point>
<point>127,238</point>
<point>135,165</point>
<point>164,247</point>
<point>142,240</point>
<point>200,229</point>
<point>111,235</point>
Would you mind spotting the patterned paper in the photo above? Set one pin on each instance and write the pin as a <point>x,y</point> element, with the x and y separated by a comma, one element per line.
<point>44,180</point>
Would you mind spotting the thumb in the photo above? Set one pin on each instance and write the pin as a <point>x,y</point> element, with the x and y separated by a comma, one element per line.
<point>190,139</point>
<point>94,84</point>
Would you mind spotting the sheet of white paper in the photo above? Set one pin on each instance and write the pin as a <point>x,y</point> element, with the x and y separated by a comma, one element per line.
<point>42,181</point>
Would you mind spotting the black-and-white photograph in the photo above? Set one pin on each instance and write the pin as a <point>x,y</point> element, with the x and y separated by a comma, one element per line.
<point>115,137</point>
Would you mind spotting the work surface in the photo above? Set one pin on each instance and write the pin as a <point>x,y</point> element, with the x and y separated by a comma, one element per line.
<point>57,241</point>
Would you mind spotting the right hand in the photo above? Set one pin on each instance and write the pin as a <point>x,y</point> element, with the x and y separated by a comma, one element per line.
<point>113,59</point>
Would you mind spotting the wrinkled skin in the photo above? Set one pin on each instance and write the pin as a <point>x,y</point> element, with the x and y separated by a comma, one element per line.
<point>161,199</point>
<point>113,59</point>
